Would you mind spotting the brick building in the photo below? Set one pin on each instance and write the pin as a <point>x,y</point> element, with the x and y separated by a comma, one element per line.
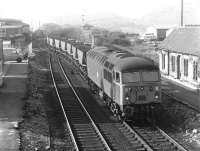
<point>15,31</point>
<point>180,56</point>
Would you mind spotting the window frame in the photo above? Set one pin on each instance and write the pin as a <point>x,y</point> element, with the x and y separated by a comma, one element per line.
<point>117,77</point>
<point>195,70</point>
<point>185,70</point>
<point>173,63</point>
<point>163,61</point>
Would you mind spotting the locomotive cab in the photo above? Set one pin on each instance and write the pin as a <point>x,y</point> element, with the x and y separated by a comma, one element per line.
<point>135,87</point>
<point>141,91</point>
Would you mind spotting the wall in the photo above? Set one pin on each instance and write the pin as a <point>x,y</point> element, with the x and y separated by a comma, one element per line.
<point>188,79</point>
<point>191,60</point>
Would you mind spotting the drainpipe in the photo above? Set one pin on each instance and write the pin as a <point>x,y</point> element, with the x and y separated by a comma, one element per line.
<point>168,62</point>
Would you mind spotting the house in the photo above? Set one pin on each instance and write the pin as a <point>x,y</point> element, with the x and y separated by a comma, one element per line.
<point>179,56</point>
<point>155,34</point>
<point>17,32</point>
<point>132,37</point>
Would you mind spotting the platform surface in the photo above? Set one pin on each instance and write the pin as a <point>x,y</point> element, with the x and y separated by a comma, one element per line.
<point>11,100</point>
<point>182,92</point>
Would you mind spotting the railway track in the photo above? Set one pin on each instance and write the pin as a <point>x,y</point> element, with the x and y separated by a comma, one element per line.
<point>156,138</point>
<point>87,135</point>
<point>141,138</point>
<point>83,131</point>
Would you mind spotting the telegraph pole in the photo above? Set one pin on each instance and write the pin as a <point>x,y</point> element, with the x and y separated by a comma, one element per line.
<point>181,13</point>
<point>83,19</point>
<point>1,62</point>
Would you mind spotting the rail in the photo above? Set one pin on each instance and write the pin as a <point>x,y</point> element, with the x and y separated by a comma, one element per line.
<point>171,140</point>
<point>67,121</point>
<point>93,123</point>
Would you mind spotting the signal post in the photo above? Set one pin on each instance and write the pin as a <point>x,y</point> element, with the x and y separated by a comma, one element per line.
<point>1,62</point>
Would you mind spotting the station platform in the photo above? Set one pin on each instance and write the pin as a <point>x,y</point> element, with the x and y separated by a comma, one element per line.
<point>11,100</point>
<point>181,92</point>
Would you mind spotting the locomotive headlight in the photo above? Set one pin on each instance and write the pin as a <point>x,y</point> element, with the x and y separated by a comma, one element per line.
<point>141,88</point>
<point>156,96</point>
<point>127,98</point>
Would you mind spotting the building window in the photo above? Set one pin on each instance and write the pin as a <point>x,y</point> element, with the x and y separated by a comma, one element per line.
<point>195,70</point>
<point>185,67</point>
<point>163,61</point>
<point>173,63</point>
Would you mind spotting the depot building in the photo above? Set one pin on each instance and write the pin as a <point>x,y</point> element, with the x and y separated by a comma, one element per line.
<point>179,56</point>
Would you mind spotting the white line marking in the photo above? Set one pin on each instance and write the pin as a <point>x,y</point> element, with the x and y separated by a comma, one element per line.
<point>14,76</point>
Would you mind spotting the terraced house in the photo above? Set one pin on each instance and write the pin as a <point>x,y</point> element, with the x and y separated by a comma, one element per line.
<point>180,56</point>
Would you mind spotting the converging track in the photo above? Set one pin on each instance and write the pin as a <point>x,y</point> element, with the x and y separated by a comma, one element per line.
<point>84,132</point>
<point>156,138</point>
<point>90,134</point>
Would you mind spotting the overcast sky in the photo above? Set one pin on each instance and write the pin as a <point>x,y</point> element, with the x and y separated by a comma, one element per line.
<point>33,11</point>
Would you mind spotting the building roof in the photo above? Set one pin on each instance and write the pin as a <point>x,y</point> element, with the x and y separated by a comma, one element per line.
<point>7,21</point>
<point>184,40</point>
<point>11,26</point>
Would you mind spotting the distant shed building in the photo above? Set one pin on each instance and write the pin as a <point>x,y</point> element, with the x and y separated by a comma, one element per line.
<point>179,56</point>
<point>87,33</point>
<point>155,34</point>
<point>132,37</point>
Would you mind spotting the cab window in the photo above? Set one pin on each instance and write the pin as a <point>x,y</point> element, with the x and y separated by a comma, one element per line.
<point>117,77</point>
<point>150,76</point>
<point>129,77</point>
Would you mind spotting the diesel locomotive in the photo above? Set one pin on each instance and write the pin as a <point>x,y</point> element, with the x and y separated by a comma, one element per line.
<point>129,84</point>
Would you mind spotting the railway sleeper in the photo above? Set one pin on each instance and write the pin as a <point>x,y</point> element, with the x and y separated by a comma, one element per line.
<point>84,136</point>
<point>95,149</point>
<point>141,149</point>
<point>87,134</point>
<point>83,126</point>
<point>97,145</point>
<point>94,143</point>
<point>91,140</point>
<point>136,144</point>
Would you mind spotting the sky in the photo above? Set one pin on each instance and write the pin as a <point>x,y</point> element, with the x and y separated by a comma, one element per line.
<point>37,12</point>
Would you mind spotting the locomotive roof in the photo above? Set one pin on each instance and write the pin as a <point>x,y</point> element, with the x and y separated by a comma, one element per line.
<point>125,61</point>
